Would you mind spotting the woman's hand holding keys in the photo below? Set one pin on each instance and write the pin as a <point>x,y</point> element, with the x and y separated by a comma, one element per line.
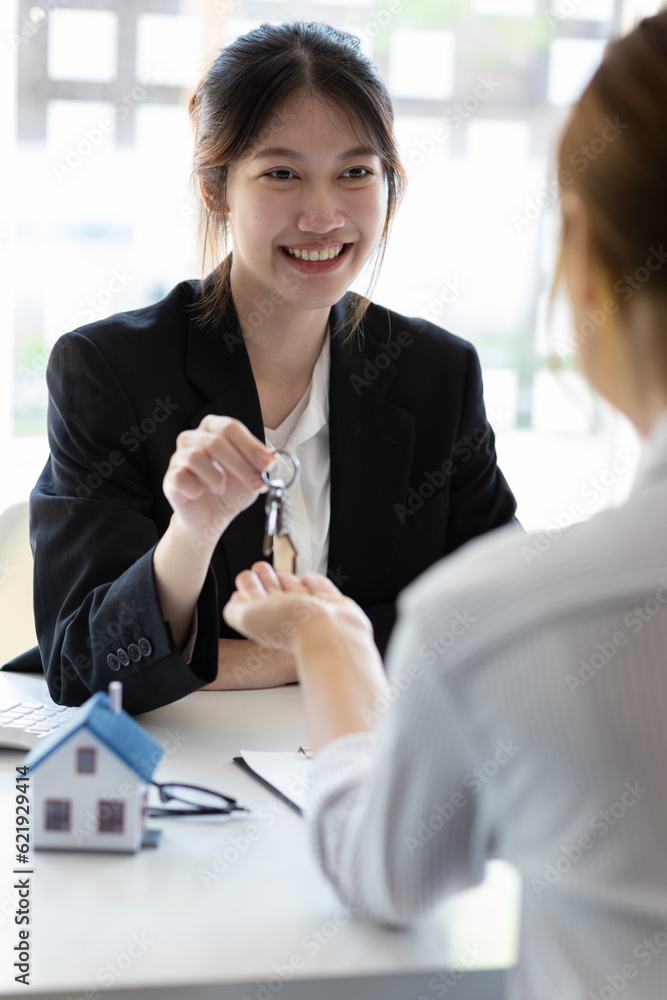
<point>213,475</point>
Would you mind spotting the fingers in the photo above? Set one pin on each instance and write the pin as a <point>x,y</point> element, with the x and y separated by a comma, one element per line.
<point>291,583</point>
<point>220,448</point>
<point>238,451</point>
<point>184,482</point>
<point>192,471</point>
<point>320,586</point>
<point>266,575</point>
<point>249,584</point>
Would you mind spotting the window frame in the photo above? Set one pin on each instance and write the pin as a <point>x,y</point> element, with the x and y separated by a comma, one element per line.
<point>63,811</point>
<point>93,758</point>
<point>115,823</point>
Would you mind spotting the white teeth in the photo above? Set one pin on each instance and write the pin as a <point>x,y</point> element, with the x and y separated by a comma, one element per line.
<point>326,254</point>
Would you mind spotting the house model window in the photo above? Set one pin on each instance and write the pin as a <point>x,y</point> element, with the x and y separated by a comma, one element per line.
<point>85,763</point>
<point>57,814</point>
<point>110,817</point>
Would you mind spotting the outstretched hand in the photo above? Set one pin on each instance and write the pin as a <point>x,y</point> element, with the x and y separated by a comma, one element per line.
<point>272,608</point>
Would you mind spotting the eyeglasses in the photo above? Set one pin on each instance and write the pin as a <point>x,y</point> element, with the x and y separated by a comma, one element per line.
<point>200,801</point>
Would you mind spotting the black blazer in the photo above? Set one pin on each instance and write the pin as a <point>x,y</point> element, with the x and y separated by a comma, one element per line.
<point>413,476</point>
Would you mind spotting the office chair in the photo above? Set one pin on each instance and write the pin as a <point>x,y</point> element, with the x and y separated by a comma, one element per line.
<point>17,623</point>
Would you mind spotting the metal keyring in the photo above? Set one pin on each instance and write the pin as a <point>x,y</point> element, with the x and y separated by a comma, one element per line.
<point>295,475</point>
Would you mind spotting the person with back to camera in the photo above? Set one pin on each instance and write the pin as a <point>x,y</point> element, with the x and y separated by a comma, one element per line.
<point>162,419</point>
<point>560,681</point>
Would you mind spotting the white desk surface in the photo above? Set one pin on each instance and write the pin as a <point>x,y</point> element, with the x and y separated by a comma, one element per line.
<point>264,913</point>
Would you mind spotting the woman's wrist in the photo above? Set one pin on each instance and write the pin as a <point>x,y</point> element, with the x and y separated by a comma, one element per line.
<point>327,628</point>
<point>179,570</point>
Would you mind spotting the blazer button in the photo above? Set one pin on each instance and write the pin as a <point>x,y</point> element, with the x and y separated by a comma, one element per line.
<point>145,647</point>
<point>134,652</point>
<point>123,657</point>
<point>113,661</point>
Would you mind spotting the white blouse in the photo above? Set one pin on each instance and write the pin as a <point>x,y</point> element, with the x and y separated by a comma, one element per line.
<point>306,433</point>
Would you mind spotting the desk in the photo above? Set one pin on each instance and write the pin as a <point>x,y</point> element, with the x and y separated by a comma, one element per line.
<point>164,923</point>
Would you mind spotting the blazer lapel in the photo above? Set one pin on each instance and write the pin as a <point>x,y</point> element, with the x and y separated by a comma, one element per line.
<point>371,446</point>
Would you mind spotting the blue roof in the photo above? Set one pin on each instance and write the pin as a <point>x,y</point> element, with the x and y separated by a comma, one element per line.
<point>120,733</point>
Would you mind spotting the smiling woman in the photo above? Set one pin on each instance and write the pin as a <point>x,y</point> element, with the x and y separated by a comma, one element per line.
<point>296,165</point>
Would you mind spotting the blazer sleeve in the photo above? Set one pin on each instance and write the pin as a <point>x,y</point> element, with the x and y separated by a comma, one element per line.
<point>93,533</point>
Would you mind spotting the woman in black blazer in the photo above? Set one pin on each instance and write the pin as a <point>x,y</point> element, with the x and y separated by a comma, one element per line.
<point>149,505</point>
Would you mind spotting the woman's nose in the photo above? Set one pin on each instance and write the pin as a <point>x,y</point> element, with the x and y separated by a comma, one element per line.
<point>320,212</point>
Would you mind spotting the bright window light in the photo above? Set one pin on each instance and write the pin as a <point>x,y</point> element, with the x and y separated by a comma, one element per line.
<point>83,45</point>
<point>169,48</point>
<point>572,62</point>
<point>421,64</point>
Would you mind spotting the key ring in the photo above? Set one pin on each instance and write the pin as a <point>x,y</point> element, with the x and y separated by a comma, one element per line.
<point>279,483</point>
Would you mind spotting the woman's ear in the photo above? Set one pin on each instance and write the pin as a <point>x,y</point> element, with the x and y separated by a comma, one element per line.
<point>210,197</point>
<point>580,262</point>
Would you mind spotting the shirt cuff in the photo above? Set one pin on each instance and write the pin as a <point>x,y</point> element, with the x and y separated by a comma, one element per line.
<point>339,767</point>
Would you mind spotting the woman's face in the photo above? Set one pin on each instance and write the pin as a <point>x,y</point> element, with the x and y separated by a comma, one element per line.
<point>306,207</point>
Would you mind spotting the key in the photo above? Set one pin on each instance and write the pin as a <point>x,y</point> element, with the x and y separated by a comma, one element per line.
<point>276,533</point>
<point>273,508</point>
<point>284,552</point>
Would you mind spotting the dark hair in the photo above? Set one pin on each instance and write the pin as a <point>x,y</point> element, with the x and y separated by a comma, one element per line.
<point>622,180</point>
<point>242,95</point>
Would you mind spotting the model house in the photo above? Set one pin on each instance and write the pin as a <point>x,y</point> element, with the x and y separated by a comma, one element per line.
<point>89,779</point>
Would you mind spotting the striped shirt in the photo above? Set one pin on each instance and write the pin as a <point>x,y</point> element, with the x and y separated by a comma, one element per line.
<point>526,719</point>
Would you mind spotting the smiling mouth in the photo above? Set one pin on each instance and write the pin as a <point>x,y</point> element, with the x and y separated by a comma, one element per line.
<point>327,253</point>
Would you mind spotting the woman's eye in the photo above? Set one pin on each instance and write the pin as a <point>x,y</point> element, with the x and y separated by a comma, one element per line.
<point>356,172</point>
<point>281,174</point>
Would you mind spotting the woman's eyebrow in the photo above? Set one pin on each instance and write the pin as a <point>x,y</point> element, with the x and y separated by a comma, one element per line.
<point>292,154</point>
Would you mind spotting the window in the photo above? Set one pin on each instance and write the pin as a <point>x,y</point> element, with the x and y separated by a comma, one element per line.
<point>96,148</point>
<point>57,814</point>
<point>110,816</point>
<point>86,760</point>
